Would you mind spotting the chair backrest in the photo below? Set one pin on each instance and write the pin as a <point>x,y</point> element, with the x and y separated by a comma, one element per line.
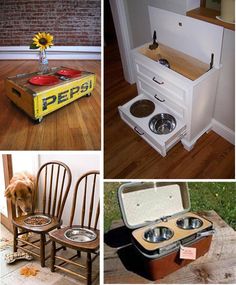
<point>89,209</point>
<point>54,178</point>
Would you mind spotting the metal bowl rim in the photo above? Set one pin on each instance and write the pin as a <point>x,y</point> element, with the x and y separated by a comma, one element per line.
<point>151,228</point>
<point>173,120</point>
<point>138,102</point>
<point>79,228</point>
<point>36,216</point>
<point>191,217</point>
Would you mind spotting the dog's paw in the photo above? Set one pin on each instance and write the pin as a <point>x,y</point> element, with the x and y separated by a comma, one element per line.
<point>12,257</point>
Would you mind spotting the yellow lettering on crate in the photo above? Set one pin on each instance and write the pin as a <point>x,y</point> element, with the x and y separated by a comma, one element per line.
<point>66,95</point>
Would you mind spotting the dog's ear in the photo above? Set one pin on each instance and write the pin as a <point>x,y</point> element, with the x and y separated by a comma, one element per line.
<point>31,183</point>
<point>10,192</point>
<point>31,177</point>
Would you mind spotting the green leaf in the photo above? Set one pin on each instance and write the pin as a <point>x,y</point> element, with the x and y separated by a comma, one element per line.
<point>33,46</point>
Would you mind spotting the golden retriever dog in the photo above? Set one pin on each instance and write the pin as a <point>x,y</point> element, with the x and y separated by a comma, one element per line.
<point>20,191</point>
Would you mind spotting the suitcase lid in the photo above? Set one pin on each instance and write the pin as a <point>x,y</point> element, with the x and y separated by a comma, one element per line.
<point>142,203</point>
<point>196,38</point>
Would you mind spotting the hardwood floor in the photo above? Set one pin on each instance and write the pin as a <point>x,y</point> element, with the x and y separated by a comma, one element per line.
<point>129,156</point>
<point>73,127</point>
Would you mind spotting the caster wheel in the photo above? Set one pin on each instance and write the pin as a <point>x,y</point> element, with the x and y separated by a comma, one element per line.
<point>38,121</point>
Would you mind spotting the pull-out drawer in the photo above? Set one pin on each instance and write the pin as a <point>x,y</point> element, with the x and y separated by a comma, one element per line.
<point>160,81</point>
<point>161,143</point>
<point>162,98</point>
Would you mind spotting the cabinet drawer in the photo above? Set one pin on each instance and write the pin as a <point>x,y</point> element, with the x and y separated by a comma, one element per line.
<point>161,143</point>
<point>161,98</point>
<point>160,81</point>
<point>140,132</point>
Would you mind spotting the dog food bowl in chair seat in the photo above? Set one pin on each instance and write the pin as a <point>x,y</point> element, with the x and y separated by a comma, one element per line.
<point>78,234</point>
<point>37,220</point>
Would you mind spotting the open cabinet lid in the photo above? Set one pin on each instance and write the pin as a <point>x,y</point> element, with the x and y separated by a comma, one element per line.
<point>196,38</point>
<point>144,202</point>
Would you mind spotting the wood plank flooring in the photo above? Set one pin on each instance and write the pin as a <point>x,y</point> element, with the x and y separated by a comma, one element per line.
<point>73,127</point>
<point>129,156</point>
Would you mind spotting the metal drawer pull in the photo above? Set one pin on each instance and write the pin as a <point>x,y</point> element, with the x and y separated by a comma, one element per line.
<point>137,131</point>
<point>154,79</point>
<point>159,99</point>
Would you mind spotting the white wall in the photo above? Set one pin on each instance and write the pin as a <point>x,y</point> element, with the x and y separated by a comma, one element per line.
<point>176,6</point>
<point>138,18</point>
<point>225,98</point>
<point>138,21</point>
<point>25,161</point>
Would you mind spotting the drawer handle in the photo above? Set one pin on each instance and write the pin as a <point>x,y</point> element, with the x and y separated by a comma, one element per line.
<point>137,131</point>
<point>159,99</point>
<point>154,79</point>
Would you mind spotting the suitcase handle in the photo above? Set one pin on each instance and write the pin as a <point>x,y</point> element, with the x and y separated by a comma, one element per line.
<point>137,131</point>
<point>16,92</point>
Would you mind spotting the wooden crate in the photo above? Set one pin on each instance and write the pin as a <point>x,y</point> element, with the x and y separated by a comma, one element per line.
<point>38,101</point>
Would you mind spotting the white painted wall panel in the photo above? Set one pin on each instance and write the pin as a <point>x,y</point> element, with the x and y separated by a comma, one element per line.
<point>176,6</point>
<point>193,37</point>
<point>225,98</point>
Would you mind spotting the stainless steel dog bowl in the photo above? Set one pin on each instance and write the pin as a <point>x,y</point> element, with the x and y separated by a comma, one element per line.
<point>80,235</point>
<point>37,220</point>
<point>162,124</point>
<point>158,234</point>
<point>142,108</point>
<point>189,223</point>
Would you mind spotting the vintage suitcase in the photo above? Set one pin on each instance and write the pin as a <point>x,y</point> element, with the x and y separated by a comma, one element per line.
<point>40,100</point>
<point>162,225</point>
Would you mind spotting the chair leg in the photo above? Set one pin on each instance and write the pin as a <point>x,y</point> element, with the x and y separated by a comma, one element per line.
<point>53,252</point>
<point>42,249</point>
<point>89,269</point>
<point>15,235</point>
<point>63,247</point>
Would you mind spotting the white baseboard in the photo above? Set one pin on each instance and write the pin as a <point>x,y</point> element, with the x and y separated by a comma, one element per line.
<point>55,52</point>
<point>223,131</point>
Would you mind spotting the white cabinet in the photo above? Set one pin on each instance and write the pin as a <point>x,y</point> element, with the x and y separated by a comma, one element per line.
<point>187,89</point>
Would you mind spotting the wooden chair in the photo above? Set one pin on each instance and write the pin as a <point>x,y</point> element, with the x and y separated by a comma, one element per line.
<point>55,179</point>
<point>88,213</point>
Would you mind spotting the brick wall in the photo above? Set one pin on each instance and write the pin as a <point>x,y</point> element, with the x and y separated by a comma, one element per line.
<point>72,22</point>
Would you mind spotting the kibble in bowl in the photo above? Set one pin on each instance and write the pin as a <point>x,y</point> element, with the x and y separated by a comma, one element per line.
<point>37,220</point>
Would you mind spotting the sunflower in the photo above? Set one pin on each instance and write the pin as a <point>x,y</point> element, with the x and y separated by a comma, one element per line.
<point>42,40</point>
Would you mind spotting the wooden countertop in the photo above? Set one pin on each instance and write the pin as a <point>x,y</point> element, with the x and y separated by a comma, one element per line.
<point>217,266</point>
<point>209,15</point>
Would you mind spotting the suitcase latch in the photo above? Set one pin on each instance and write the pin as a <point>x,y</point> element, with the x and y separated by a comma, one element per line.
<point>165,218</point>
